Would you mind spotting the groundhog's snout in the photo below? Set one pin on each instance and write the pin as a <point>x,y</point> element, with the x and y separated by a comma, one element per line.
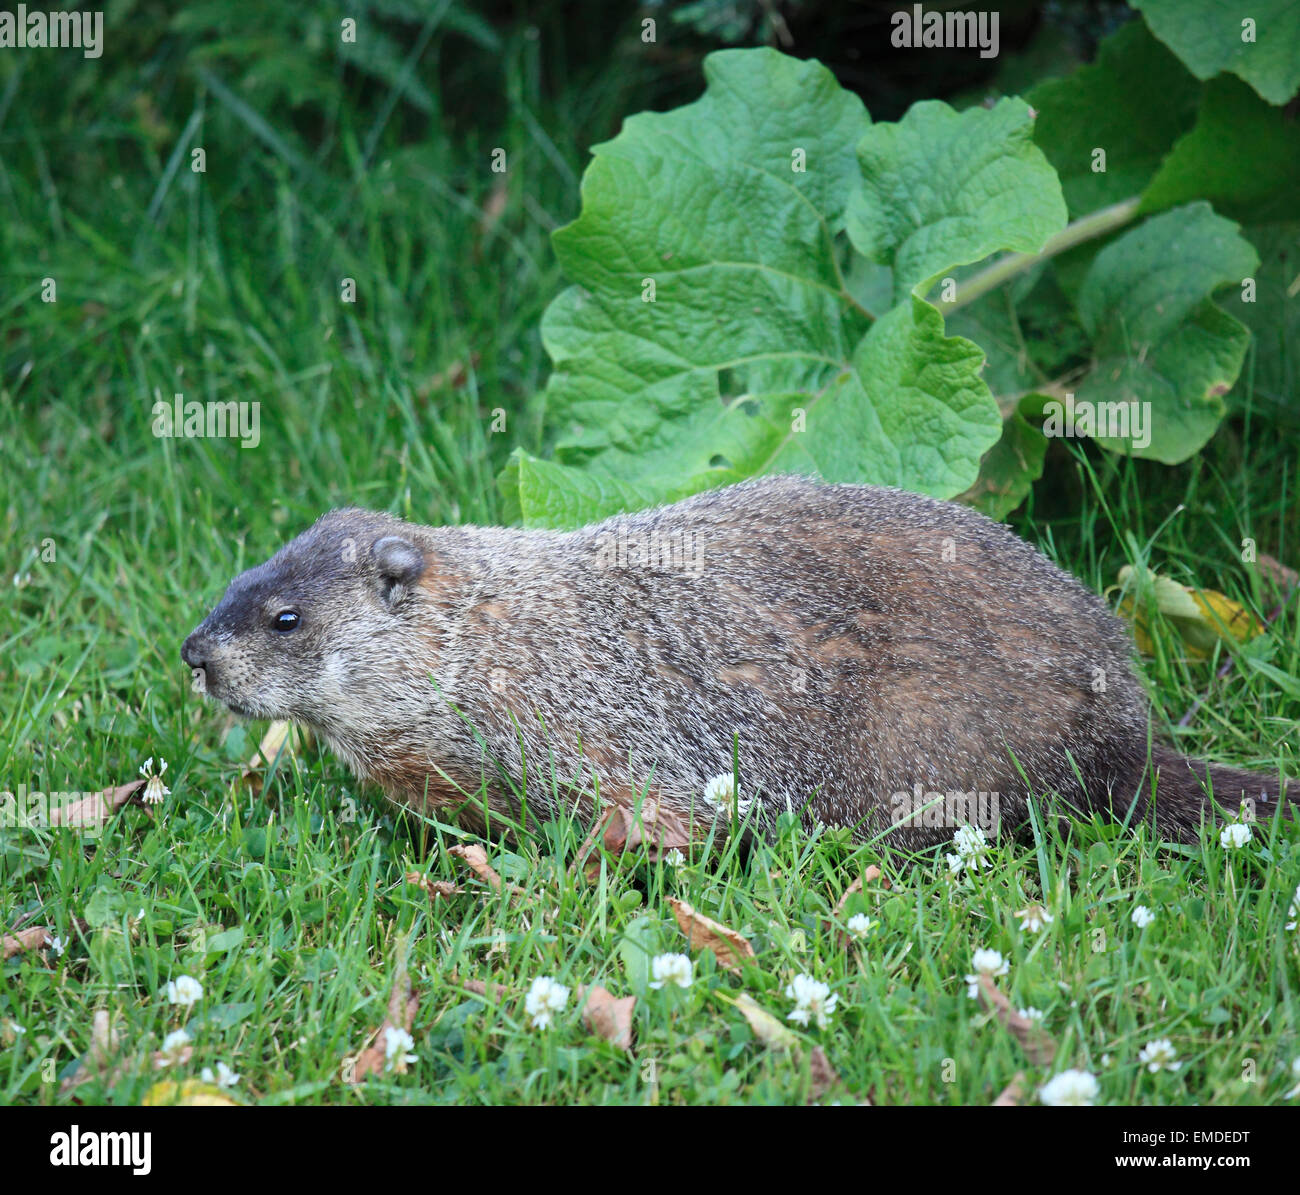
<point>194,651</point>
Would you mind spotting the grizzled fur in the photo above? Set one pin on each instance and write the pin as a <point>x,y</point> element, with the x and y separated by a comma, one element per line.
<point>859,641</point>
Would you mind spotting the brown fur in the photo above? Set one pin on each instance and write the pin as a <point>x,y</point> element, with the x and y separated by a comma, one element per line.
<point>861,642</point>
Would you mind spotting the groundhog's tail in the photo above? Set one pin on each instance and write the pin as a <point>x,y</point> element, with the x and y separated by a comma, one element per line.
<point>1185,792</point>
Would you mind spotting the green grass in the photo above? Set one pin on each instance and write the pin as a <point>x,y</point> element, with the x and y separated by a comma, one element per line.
<point>291,903</point>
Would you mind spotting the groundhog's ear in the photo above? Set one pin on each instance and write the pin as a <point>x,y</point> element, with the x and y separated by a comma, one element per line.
<point>399,564</point>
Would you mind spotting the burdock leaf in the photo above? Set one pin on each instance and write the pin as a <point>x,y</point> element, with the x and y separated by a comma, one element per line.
<point>943,188</point>
<point>1158,339</point>
<point>1211,36</point>
<point>1133,103</point>
<point>711,336</point>
<point>1242,156</point>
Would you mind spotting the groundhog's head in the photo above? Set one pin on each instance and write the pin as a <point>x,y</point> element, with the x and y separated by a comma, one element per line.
<point>321,633</point>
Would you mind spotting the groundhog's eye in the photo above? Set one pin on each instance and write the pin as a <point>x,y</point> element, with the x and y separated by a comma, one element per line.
<point>286,620</point>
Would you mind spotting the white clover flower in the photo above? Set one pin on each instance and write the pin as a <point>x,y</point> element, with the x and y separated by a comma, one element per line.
<point>185,991</point>
<point>1142,916</point>
<point>1235,835</point>
<point>972,845</point>
<point>860,925</point>
<point>545,998</point>
<point>1032,1014</point>
<point>812,1000</point>
<point>722,793</point>
<point>397,1046</point>
<point>985,962</point>
<point>1034,918</point>
<point>1070,1089</point>
<point>1159,1055</point>
<point>155,790</point>
<point>672,968</point>
<point>955,864</point>
<point>224,1076</point>
<point>1294,911</point>
<point>172,1045</point>
<point>675,858</point>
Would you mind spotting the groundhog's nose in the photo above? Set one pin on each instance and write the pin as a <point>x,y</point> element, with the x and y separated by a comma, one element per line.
<point>193,653</point>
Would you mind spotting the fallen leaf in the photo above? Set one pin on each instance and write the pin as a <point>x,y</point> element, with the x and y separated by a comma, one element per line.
<point>1279,581</point>
<point>492,991</point>
<point>1202,617</point>
<point>624,828</point>
<point>822,1076</point>
<point>34,938</point>
<point>188,1093</point>
<point>435,888</point>
<point>280,738</point>
<point>96,809</point>
<point>1039,1048</point>
<point>767,1028</point>
<point>402,1006</point>
<point>872,873</point>
<point>606,1015</point>
<point>1013,1094</point>
<point>494,207</point>
<point>706,934</point>
<point>475,858</point>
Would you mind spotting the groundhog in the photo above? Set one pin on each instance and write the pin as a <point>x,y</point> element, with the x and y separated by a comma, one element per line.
<point>859,655</point>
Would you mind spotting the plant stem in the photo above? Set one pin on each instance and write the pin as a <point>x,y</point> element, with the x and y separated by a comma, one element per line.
<point>1086,228</point>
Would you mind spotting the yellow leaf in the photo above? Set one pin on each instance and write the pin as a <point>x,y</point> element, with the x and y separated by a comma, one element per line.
<point>1202,617</point>
<point>190,1093</point>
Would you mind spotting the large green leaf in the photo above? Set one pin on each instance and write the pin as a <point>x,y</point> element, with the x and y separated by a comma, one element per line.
<point>943,188</point>
<point>1132,103</point>
<point>1158,338</point>
<point>1210,36</point>
<point>1272,313</point>
<point>753,355</point>
<point>1009,469</point>
<point>1242,155</point>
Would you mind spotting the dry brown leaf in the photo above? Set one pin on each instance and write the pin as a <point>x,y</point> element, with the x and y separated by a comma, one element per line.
<point>493,991</point>
<point>402,1006</point>
<point>97,808</point>
<point>706,934</point>
<point>872,873</point>
<point>608,1016</point>
<point>435,888</point>
<point>821,1074</point>
<point>1039,1048</point>
<point>475,858</point>
<point>494,207</point>
<point>590,861</point>
<point>35,937</point>
<point>1279,582</point>
<point>622,828</point>
<point>101,1059</point>
<point>1013,1094</point>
